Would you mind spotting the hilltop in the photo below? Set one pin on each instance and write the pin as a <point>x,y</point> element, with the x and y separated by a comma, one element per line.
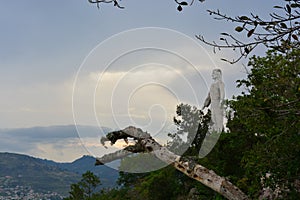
<point>23,172</point>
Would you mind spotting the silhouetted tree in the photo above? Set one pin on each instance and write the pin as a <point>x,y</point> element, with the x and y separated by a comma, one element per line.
<point>85,188</point>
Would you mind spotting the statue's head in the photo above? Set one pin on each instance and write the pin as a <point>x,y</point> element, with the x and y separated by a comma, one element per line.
<point>217,74</point>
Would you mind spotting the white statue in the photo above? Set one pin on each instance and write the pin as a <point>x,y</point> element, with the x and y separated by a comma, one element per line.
<point>215,99</point>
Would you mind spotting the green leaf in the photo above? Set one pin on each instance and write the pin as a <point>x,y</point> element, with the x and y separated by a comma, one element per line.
<point>283,25</point>
<point>295,37</point>
<point>184,3</point>
<point>225,34</point>
<point>295,5</point>
<point>247,51</point>
<point>244,18</point>
<point>239,29</point>
<point>179,8</point>
<point>288,8</point>
<point>250,33</point>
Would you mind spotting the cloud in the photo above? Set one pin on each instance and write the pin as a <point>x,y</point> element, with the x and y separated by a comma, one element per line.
<point>108,95</point>
<point>54,132</point>
<point>60,143</point>
<point>36,104</point>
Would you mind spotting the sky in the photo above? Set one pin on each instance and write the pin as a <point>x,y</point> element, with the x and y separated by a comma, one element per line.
<point>67,62</point>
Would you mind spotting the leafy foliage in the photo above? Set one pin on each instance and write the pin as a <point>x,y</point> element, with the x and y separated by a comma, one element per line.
<point>268,117</point>
<point>85,188</point>
<point>166,183</point>
<point>191,123</point>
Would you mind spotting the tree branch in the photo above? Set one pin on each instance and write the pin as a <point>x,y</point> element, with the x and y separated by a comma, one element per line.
<point>145,143</point>
<point>281,32</point>
<point>98,2</point>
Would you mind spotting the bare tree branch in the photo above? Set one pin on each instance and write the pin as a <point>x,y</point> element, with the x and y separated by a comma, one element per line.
<point>281,32</point>
<point>98,2</point>
<point>180,4</point>
<point>145,143</point>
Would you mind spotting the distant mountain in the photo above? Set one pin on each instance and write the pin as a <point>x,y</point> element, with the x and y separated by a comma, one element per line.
<point>48,176</point>
<point>61,140</point>
<point>107,175</point>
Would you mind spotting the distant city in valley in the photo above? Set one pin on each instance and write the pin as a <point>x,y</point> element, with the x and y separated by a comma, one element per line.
<point>24,177</point>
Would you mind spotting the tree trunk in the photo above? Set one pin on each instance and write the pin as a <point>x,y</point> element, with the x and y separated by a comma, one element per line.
<point>146,143</point>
